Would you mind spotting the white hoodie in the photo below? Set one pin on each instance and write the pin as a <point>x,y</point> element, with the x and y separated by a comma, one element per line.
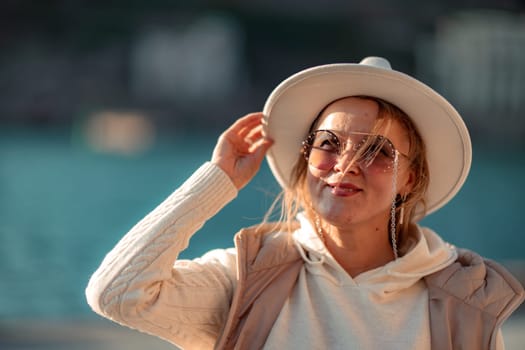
<point>384,308</point>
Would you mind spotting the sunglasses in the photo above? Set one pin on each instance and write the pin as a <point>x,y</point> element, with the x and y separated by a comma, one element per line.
<point>372,152</point>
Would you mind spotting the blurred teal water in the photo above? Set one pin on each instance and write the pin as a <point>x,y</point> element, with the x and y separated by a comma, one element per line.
<point>63,206</point>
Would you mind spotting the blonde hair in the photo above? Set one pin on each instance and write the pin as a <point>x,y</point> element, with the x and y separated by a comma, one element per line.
<point>295,198</point>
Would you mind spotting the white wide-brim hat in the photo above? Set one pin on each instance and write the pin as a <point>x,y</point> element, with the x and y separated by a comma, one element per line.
<point>295,103</point>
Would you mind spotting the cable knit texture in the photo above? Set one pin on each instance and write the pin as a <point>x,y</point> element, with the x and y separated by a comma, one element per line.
<point>137,286</point>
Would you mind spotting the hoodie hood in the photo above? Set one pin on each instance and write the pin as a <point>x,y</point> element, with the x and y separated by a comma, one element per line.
<point>424,253</point>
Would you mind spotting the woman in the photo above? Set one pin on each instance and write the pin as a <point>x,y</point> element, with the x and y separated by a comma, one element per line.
<point>362,152</point>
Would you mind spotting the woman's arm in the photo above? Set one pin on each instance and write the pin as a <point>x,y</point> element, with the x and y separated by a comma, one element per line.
<point>138,284</point>
<point>186,302</point>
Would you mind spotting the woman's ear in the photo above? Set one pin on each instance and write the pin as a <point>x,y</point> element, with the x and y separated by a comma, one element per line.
<point>409,181</point>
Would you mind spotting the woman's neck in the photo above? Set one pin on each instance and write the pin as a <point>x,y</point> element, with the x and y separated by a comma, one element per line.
<point>359,248</point>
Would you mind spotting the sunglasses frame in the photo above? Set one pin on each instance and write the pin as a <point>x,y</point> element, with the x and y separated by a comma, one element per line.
<point>307,145</point>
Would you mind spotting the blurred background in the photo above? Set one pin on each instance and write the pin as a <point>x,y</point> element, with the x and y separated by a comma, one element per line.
<point>106,107</point>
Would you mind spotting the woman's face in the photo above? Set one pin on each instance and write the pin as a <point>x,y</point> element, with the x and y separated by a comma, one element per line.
<point>344,192</point>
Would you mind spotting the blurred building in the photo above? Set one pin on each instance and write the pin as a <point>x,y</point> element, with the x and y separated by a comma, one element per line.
<point>203,63</point>
<point>477,60</point>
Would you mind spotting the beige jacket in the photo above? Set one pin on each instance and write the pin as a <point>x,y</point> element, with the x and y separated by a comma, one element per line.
<point>468,300</point>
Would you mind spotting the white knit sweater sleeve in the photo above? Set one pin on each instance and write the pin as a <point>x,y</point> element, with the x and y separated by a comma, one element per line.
<point>140,285</point>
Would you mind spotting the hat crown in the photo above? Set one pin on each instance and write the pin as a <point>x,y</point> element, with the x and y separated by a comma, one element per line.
<point>375,61</point>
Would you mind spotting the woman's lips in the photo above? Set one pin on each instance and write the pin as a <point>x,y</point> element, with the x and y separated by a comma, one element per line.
<point>343,189</point>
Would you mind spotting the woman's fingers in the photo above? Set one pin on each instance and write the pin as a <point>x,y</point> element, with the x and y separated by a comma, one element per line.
<point>241,133</point>
<point>241,148</point>
<point>242,126</point>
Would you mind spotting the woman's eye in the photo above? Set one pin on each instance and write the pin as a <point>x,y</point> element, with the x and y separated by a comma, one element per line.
<point>327,144</point>
<point>369,153</point>
<point>383,151</point>
<point>368,148</point>
<point>372,148</point>
<point>330,146</point>
<point>387,150</point>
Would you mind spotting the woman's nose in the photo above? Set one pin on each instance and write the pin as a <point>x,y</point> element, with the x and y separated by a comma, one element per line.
<point>347,162</point>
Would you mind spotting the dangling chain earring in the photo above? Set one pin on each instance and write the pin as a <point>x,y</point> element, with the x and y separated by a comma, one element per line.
<point>393,229</point>
<point>402,209</point>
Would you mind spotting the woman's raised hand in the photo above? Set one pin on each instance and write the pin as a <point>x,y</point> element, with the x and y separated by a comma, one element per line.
<point>241,149</point>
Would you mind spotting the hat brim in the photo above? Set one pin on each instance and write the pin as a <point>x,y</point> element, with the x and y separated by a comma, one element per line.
<point>296,102</point>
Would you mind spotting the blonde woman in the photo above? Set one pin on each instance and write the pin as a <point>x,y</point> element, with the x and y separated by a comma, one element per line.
<point>362,152</point>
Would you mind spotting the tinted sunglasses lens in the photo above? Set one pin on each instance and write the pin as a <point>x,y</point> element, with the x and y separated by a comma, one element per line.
<point>376,152</point>
<point>323,149</point>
